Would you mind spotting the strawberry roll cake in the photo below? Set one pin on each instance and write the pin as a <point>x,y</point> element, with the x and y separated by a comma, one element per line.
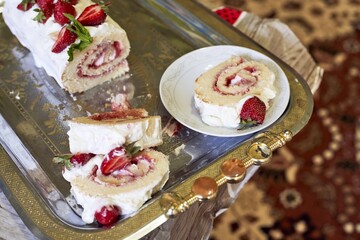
<point>236,93</point>
<point>112,169</point>
<point>74,41</point>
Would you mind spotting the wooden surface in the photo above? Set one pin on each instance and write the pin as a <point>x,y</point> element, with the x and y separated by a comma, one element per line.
<point>198,219</point>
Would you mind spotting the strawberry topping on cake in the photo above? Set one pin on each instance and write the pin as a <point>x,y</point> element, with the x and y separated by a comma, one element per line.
<point>93,15</point>
<point>25,5</point>
<point>60,8</point>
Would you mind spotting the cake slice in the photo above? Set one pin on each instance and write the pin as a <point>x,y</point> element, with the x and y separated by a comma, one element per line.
<point>124,189</point>
<point>100,133</point>
<point>76,62</point>
<point>221,92</point>
<point>113,169</point>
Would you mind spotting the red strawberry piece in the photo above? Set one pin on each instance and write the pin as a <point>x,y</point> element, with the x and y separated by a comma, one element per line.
<point>92,15</point>
<point>64,39</point>
<point>107,215</point>
<point>253,110</point>
<point>116,159</point>
<point>81,158</point>
<point>93,171</point>
<point>72,2</point>
<point>25,5</point>
<point>47,9</point>
<point>228,14</point>
<point>60,8</point>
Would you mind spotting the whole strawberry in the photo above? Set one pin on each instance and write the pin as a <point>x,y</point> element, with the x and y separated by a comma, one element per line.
<point>70,161</point>
<point>81,158</point>
<point>45,11</point>
<point>107,215</point>
<point>253,112</point>
<point>60,8</point>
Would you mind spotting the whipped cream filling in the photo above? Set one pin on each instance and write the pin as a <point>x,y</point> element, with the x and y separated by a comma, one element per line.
<point>102,138</point>
<point>220,116</point>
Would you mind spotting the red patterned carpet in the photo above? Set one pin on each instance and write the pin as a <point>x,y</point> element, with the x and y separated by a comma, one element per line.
<point>311,187</point>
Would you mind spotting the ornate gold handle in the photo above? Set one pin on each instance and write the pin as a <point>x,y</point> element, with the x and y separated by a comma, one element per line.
<point>231,171</point>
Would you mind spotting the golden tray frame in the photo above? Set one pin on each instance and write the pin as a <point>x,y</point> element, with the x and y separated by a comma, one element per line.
<point>160,32</point>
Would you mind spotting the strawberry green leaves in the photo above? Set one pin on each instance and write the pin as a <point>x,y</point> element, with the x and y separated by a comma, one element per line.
<point>81,32</point>
<point>64,160</point>
<point>131,149</point>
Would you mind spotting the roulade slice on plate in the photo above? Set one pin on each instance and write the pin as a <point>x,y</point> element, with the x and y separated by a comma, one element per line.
<point>236,92</point>
<point>74,41</point>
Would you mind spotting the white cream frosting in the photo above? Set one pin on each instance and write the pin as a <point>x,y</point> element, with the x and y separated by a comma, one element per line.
<point>39,38</point>
<point>220,116</point>
<point>94,193</point>
<point>100,138</point>
<point>223,110</point>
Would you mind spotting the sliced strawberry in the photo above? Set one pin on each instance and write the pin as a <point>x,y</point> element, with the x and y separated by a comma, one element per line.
<point>253,110</point>
<point>116,159</point>
<point>92,15</point>
<point>81,158</point>
<point>228,14</point>
<point>46,10</point>
<point>60,8</point>
<point>107,215</point>
<point>64,39</point>
<point>93,171</point>
<point>72,2</point>
<point>25,5</point>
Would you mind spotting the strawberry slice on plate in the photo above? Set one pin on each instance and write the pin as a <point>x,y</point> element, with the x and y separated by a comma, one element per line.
<point>93,15</point>
<point>252,112</point>
<point>64,39</point>
<point>116,159</point>
<point>60,8</point>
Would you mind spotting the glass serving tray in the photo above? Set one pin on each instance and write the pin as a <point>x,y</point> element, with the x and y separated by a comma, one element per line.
<point>34,110</point>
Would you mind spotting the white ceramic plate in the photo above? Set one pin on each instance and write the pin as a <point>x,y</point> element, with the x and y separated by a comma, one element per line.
<point>178,82</point>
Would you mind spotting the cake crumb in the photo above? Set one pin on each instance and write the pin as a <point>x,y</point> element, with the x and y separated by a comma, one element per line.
<point>119,102</point>
<point>178,149</point>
